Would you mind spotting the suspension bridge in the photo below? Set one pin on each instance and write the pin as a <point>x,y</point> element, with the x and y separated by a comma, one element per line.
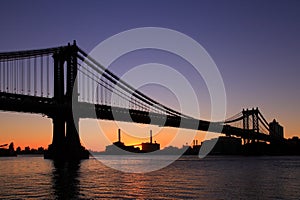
<point>55,81</point>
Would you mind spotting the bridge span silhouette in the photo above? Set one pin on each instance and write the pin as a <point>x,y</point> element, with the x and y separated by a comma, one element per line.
<point>55,81</point>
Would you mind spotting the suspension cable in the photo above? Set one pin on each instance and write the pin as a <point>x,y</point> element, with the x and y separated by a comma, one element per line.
<point>105,94</point>
<point>135,93</point>
<point>102,84</point>
<point>108,87</point>
<point>116,79</point>
<point>41,68</point>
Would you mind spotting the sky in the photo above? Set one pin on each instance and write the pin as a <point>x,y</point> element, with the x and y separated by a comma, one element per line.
<point>255,45</point>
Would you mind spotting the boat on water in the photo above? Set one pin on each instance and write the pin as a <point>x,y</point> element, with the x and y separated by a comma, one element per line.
<point>119,148</point>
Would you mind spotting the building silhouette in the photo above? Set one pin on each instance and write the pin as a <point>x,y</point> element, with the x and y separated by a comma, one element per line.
<point>149,146</point>
<point>276,130</point>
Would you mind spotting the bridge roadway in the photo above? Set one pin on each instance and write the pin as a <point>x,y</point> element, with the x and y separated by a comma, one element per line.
<point>49,106</point>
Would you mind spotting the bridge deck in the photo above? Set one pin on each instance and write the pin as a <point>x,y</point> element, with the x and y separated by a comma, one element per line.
<point>48,106</point>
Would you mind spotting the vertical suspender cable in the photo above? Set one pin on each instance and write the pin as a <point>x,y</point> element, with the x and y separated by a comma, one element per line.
<point>19,84</point>
<point>83,86</point>
<point>1,75</point>
<point>13,67</point>
<point>35,76</point>
<point>47,75</point>
<point>97,90</point>
<point>93,89</point>
<point>79,81</point>
<point>13,75</point>
<point>22,76</point>
<point>4,73</point>
<point>5,76</point>
<point>88,89</point>
<point>28,76</point>
<point>41,67</point>
<point>101,93</point>
<point>10,84</point>
<point>16,76</point>
<point>1,79</point>
<point>105,95</point>
<point>8,76</point>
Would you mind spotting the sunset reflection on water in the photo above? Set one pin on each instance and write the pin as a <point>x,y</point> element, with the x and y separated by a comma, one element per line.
<point>214,177</point>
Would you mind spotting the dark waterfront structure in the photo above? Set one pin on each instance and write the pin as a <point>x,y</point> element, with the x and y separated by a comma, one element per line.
<point>65,84</point>
<point>120,148</point>
<point>117,147</point>
<point>6,152</point>
<point>233,146</point>
<point>192,150</point>
<point>276,130</point>
<point>225,146</point>
<point>149,146</point>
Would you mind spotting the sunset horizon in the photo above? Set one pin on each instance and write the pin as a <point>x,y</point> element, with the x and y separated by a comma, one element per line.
<point>150,99</point>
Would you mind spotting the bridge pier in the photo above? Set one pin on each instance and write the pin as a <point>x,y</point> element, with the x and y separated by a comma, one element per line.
<point>65,142</point>
<point>58,132</point>
<point>74,149</point>
<point>56,150</point>
<point>72,137</point>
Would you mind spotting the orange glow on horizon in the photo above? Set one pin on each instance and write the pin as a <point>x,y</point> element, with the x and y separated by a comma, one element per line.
<point>25,130</point>
<point>35,131</point>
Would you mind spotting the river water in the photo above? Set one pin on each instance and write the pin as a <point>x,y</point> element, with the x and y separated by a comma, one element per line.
<point>215,177</point>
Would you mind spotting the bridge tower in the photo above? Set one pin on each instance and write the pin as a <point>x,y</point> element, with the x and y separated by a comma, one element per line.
<point>248,116</point>
<point>65,143</point>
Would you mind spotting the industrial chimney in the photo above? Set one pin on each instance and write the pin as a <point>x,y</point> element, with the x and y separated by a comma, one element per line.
<point>119,135</point>
<point>150,136</point>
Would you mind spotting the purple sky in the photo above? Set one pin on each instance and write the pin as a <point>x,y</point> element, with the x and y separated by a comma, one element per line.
<point>255,44</point>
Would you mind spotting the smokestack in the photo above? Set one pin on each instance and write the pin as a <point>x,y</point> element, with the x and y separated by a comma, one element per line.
<point>119,135</point>
<point>150,136</point>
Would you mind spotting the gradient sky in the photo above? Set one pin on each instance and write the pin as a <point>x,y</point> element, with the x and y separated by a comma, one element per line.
<point>255,44</point>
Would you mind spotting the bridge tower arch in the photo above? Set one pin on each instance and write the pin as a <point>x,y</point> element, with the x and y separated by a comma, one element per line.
<point>66,142</point>
<point>248,116</point>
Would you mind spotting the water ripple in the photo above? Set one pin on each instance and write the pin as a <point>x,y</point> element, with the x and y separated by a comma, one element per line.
<point>211,178</point>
